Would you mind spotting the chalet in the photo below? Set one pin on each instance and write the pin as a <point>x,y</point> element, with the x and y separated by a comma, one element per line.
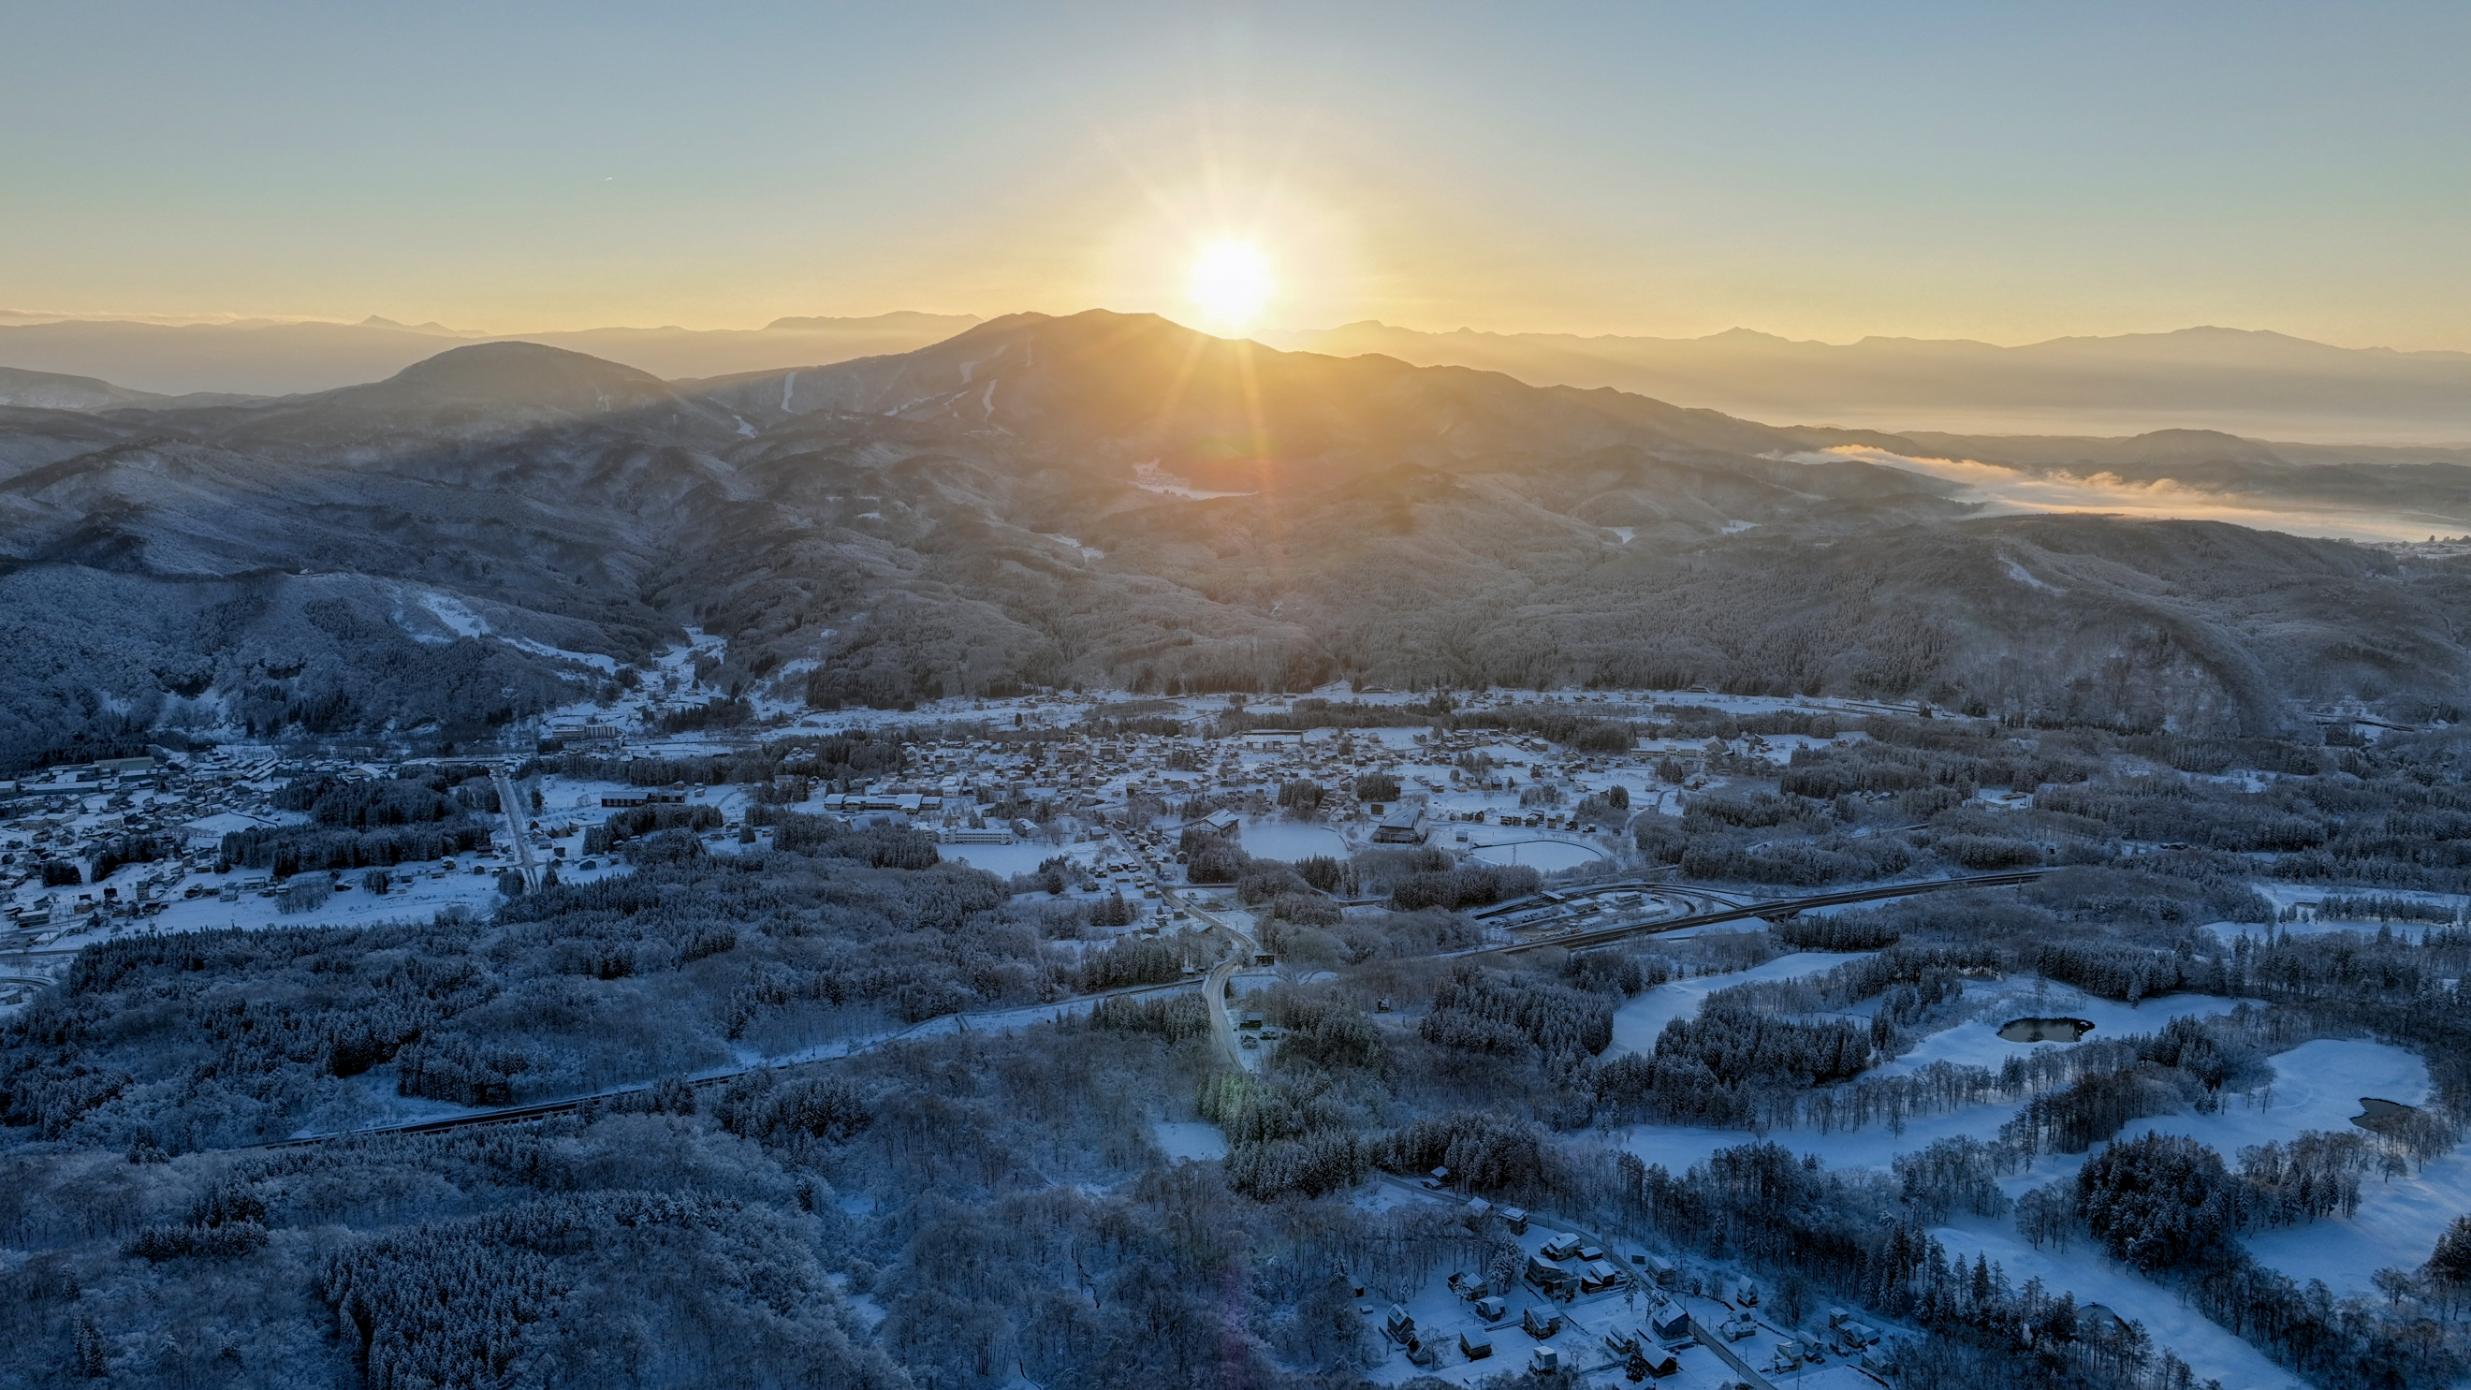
<point>1559,1248</point>
<point>1547,1277</point>
<point>1400,1326</point>
<point>1475,1345</point>
<point>1851,1332</point>
<point>1668,1324</point>
<point>1596,1276</point>
<point>1540,1323</point>
<point>1492,1309</point>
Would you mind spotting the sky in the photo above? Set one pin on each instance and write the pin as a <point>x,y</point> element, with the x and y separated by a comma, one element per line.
<point>1817,170</point>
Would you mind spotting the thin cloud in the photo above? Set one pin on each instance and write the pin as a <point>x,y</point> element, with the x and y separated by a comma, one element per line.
<point>2003,490</point>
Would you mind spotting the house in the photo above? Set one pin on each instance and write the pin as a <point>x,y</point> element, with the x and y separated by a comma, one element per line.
<point>1596,1276</point>
<point>1516,1219</point>
<point>1548,1278</point>
<point>1851,1332</point>
<point>1403,825</point>
<point>1540,1323</point>
<point>1400,1326</point>
<point>1544,1361</point>
<point>1621,1341</point>
<point>1215,823</point>
<point>1491,1309</point>
<point>1474,1345</point>
<point>1668,1324</point>
<point>1478,1208</point>
<point>1559,1248</point>
<point>1437,1179</point>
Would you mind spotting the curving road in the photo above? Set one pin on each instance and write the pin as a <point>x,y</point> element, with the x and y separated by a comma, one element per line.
<point>1773,907</point>
<point>1214,987</point>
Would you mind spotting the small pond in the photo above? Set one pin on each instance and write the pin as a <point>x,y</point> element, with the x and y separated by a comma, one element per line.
<point>2041,1030</point>
<point>2378,1115</point>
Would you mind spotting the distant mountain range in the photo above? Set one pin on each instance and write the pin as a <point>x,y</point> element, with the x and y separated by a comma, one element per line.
<point>264,358</point>
<point>2213,378</point>
<point>1111,499</point>
<point>2252,383</point>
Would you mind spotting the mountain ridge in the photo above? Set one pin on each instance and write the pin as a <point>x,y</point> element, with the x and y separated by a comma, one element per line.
<point>1107,499</point>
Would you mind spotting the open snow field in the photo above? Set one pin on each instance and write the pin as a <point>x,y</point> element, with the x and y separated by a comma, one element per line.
<point>1987,1005</point>
<point>1637,1022</point>
<point>2093,1277</point>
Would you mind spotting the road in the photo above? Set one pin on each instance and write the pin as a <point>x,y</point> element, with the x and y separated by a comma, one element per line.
<point>518,827</point>
<point>1221,979</point>
<point>1773,907</point>
<point>941,1023</point>
<point>1214,984</point>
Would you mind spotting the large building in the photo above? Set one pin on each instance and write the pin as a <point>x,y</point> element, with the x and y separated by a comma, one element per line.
<point>1404,825</point>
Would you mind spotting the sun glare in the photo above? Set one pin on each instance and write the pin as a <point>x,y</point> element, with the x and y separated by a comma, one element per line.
<point>1230,285</point>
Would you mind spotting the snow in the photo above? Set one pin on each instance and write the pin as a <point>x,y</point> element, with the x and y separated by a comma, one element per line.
<point>2208,1348</point>
<point>1005,860</point>
<point>2317,1086</point>
<point>1548,855</point>
<point>1148,478</point>
<point>1976,1041</point>
<point>455,614</point>
<point>1637,1023</point>
<point>1267,838</point>
<point>1189,1140</point>
<point>1626,534</point>
<point>2026,577</point>
<point>1735,528</point>
<point>786,383</point>
<point>2397,1224</point>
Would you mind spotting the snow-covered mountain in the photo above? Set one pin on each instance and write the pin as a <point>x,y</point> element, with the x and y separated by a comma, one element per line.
<point>1112,499</point>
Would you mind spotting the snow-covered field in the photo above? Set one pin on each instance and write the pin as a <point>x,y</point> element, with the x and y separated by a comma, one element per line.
<point>1637,1022</point>
<point>1987,1005</point>
<point>2208,1348</point>
<point>1019,857</point>
<point>1266,837</point>
<point>1547,855</point>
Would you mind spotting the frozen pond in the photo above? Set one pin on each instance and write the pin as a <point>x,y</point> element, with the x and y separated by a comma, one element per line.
<point>2034,1030</point>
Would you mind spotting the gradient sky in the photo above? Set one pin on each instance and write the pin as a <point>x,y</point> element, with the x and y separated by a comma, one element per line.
<point>1823,170</point>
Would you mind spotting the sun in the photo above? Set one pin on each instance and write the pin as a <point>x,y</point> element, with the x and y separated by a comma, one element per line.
<point>1230,285</point>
